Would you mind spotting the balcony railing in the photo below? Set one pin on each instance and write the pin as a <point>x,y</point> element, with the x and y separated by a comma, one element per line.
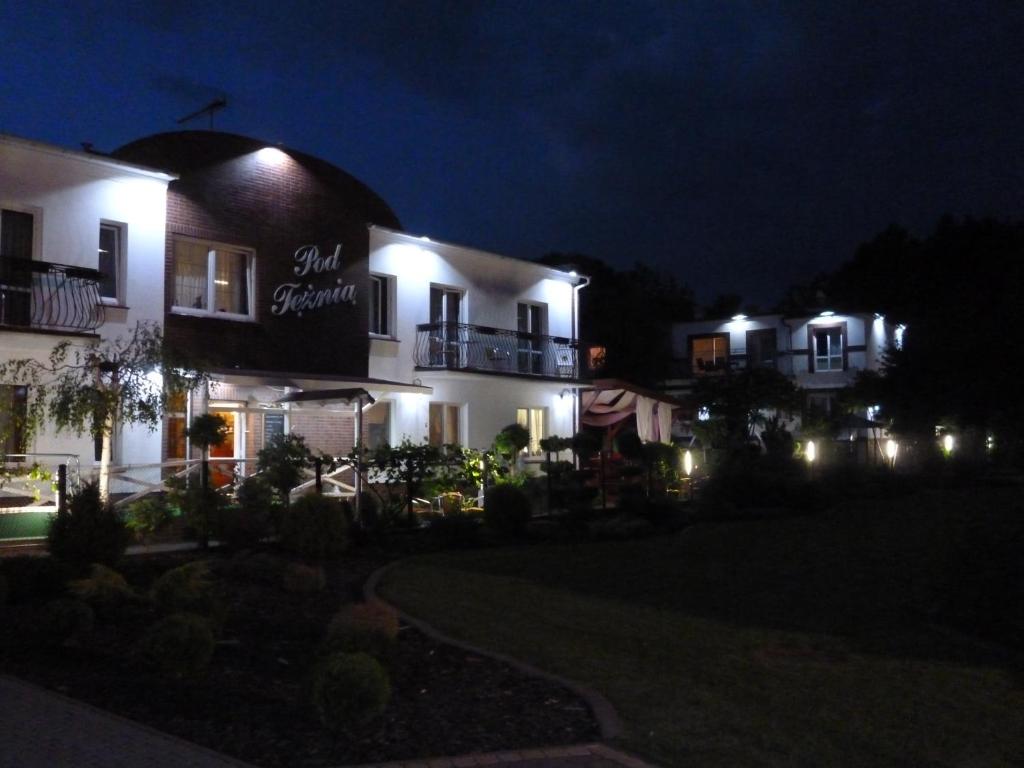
<point>37,294</point>
<point>462,347</point>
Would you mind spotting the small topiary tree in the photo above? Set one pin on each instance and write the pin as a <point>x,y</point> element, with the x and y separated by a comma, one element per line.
<point>187,589</point>
<point>282,461</point>
<point>207,429</point>
<point>507,510</point>
<point>348,691</point>
<point>106,591</point>
<point>510,441</point>
<point>88,531</point>
<point>370,627</point>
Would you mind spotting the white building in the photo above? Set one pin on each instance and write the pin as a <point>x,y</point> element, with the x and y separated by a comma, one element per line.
<point>81,257</point>
<point>285,276</point>
<point>820,353</point>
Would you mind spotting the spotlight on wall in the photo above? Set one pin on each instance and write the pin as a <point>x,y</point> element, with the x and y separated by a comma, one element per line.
<point>271,156</point>
<point>740,316</point>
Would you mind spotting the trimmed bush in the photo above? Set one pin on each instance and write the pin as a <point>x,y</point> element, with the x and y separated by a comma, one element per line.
<point>314,527</point>
<point>349,690</point>
<point>148,516</point>
<point>303,579</point>
<point>106,591</point>
<point>178,646</point>
<point>64,621</point>
<point>370,627</point>
<point>187,589</point>
<point>506,510</point>
<point>89,531</point>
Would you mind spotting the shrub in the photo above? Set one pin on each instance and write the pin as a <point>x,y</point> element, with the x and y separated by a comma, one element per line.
<point>148,516</point>
<point>620,527</point>
<point>282,461</point>
<point>506,510</point>
<point>370,627</point>
<point>180,645</point>
<point>187,589</point>
<point>348,690</point>
<point>259,567</point>
<point>457,530</point>
<point>89,531</point>
<point>199,506</point>
<point>36,579</point>
<point>249,521</point>
<point>314,527</point>
<point>303,579</point>
<point>105,590</point>
<point>64,621</point>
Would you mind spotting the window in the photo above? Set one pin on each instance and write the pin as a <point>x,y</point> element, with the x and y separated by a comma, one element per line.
<point>111,263</point>
<point>533,419</point>
<point>380,305</point>
<point>828,349</point>
<point>444,424</point>
<point>211,278</point>
<point>16,231</point>
<point>761,348</point>
<point>709,354</point>
<point>377,425</point>
<point>13,413</point>
<point>530,322</point>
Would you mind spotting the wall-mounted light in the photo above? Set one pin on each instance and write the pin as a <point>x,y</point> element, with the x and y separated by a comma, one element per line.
<point>739,317</point>
<point>826,313</point>
<point>271,156</point>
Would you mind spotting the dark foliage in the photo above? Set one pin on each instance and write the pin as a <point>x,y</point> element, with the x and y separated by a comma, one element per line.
<point>349,690</point>
<point>89,531</point>
<point>315,527</point>
<point>507,510</point>
<point>179,646</point>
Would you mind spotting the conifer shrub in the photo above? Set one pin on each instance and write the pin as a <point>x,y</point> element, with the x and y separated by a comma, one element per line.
<point>88,531</point>
<point>303,579</point>
<point>106,591</point>
<point>370,627</point>
<point>348,691</point>
<point>64,621</point>
<point>507,510</point>
<point>179,646</point>
<point>188,589</point>
<point>314,527</point>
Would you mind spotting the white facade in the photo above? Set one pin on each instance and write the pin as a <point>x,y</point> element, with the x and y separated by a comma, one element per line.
<point>70,196</point>
<point>491,290</point>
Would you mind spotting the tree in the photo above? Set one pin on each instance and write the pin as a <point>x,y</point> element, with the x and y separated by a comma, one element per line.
<point>629,312</point>
<point>282,463</point>
<point>738,400</point>
<point>94,386</point>
<point>206,430</point>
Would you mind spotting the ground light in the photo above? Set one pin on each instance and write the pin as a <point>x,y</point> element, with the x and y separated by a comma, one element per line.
<point>891,447</point>
<point>688,463</point>
<point>810,452</point>
<point>947,444</point>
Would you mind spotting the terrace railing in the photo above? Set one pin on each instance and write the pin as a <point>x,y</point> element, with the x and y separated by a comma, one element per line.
<point>38,294</point>
<point>464,347</point>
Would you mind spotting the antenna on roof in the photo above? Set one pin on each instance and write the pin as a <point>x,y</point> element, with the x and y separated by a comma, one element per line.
<point>209,109</point>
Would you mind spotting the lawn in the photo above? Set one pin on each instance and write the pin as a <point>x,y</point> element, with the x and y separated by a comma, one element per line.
<point>881,633</point>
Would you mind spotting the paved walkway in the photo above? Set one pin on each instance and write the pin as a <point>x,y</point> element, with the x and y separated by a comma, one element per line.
<point>42,729</point>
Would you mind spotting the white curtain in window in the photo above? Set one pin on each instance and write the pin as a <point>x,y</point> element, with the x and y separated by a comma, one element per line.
<point>665,423</point>
<point>645,418</point>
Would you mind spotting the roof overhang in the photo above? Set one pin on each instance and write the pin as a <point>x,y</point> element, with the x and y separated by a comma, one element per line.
<point>314,381</point>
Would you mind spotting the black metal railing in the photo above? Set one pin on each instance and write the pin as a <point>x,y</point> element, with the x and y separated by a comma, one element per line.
<point>37,294</point>
<point>463,347</point>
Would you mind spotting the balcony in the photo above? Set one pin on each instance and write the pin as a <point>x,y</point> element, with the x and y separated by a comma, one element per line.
<point>44,296</point>
<point>462,347</point>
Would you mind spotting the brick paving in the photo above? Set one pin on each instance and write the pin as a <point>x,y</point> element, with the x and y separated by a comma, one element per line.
<point>42,729</point>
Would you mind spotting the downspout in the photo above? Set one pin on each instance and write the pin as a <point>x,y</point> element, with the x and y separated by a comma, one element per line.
<point>582,282</point>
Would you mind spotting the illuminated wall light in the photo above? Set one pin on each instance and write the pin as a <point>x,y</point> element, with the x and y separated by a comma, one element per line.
<point>811,452</point>
<point>739,317</point>
<point>688,463</point>
<point>826,313</point>
<point>271,156</point>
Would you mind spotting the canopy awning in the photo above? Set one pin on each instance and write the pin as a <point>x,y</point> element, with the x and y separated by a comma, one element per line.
<point>328,397</point>
<point>608,402</point>
<point>315,381</point>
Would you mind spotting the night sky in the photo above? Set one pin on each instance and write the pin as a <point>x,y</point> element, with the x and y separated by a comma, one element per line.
<point>740,146</point>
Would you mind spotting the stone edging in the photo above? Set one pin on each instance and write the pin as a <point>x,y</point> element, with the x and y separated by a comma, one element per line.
<point>517,757</point>
<point>607,718</point>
